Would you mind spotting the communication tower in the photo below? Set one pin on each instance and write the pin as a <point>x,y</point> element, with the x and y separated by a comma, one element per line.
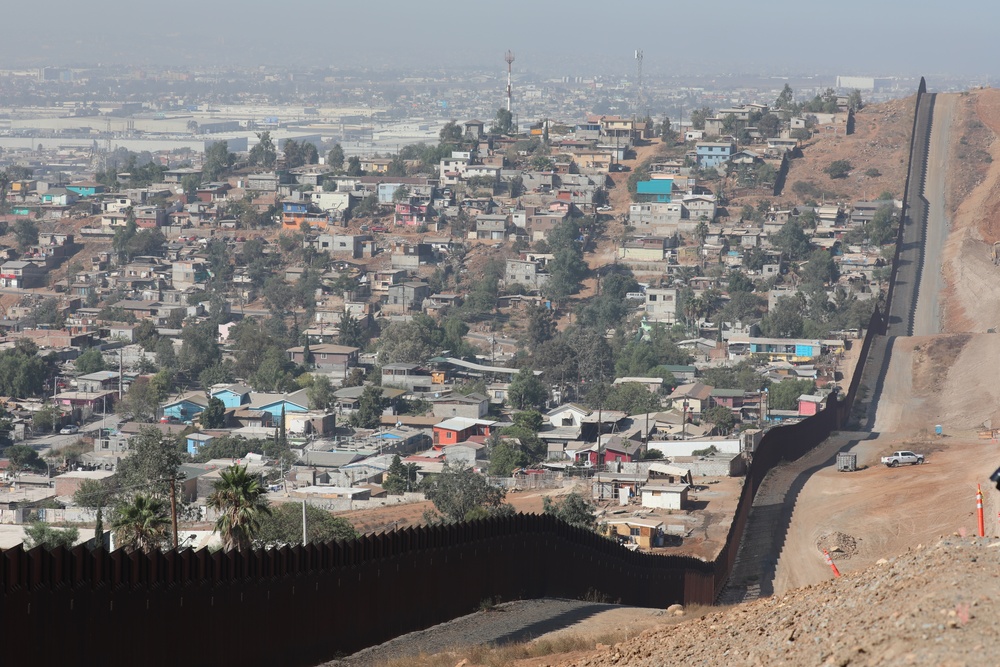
<point>509,58</point>
<point>637,110</point>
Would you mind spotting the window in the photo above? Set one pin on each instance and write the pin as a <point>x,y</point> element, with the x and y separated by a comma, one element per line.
<point>634,532</point>
<point>652,297</point>
<point>322,356</point>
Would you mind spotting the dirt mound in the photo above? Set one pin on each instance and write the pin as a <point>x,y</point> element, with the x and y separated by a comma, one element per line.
<point>930,606</point>
<point>840,545</point>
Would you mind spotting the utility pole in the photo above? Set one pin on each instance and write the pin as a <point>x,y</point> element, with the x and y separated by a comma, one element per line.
<point>305,538</point>
<point>173,508</point>
<point>121,380</point>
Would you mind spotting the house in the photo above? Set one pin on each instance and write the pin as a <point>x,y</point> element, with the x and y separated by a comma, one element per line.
<point>728,398</point>
<point>59,197</point>
<point>408,376</point>
<point>810,405</point>
<point>525,272</point>
<point>644,533</point>
<point>459,429</point>
<point>99,381</point>
<point>185,407</point>
<point>782,349</point>
<point>711,154</point>
<point>645,249</point>
<point>86,188</point>
<point>661,304</point>
<point>474,129</point>
<point>472,406</point>
<point>21,274</point>
<point>407,296</point>
<point>655,218</point>
<point>195,442</point>
<point>665,496</point>
<point>325,357</point>
<point>658,190</point>
<point>692,398</point>
<point>188,273</point>
<point>491,227</point>
<point>567,414</point>
<point>233,396</point>
<point>466,453</point>
<point>276,404</point>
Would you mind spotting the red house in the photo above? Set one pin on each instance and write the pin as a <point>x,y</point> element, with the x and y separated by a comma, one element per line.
<point>810,405</point>
<point>615,450</point>
<point>459,429</point>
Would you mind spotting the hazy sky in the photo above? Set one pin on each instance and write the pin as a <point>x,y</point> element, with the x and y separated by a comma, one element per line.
<point>871,37</point>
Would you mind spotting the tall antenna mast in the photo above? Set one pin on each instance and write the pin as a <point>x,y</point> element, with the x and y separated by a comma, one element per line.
<point>638,82</point>
<point>509,58</point>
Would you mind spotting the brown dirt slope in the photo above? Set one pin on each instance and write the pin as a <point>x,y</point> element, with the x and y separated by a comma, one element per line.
<point>929,606</point>
<point>881,140</point>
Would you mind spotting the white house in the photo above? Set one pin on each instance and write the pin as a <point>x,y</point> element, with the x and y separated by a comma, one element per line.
<point>665,496</point>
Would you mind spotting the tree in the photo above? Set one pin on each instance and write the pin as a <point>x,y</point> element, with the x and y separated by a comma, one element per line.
<point>218,160</point>
<point>140,402</point>
<point>461,494</point>
<point>91,361</point>
<point>263,154</point>
<point>792,240</point>
<point>721,416</point>
<point>214,416</point>
<point>402,193</point>
<point>150,466</point>
<point>820,269</point>
<point>46,418</point>
<point>854,101</point>
<point>400,478</point>
<point>882,227</point>
<point>503,123</point>
<point>141,523</point>
<point>41,534</point>
<point>241,502</point>
<point>320,393</point>
<point>505,458</point>
<point>574,509</point>
<point>22,371</point>
<point>701,232</point>
<point>335,158</point>
<point>354,166</point>
<point>22,458</point>
<point>284,526</point>
<point>199,348</point>
<point>698,117</point>
<point>370,405</point>
<point>26,233</point>
<point>784,395</point>
<point>451,132</point>
<point>838,169</point>
<point>526,390</point>
<point>785,320</point>
<point>632,398</point>
<point>785,98</point>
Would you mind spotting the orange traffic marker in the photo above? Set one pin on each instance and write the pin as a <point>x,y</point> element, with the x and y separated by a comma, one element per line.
<point>829,561</point>
<point>979,510</point>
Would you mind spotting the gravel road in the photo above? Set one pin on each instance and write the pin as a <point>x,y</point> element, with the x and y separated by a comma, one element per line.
<point>509,622</point>
<point>927,317</point>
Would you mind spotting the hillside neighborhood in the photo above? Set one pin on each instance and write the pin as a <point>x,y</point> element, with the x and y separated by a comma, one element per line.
<point>614,308</point>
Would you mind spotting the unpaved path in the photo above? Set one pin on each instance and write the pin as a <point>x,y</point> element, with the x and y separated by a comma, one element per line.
<point>927,319</point>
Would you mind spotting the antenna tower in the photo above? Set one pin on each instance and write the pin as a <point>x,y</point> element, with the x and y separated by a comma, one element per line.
<point>509,58</point>
<point>638,82</point>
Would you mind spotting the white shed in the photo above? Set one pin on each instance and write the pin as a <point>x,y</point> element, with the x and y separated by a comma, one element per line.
<point>665,496</point>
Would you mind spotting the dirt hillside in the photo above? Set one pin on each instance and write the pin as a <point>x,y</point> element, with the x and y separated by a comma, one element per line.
<point>929,606</point>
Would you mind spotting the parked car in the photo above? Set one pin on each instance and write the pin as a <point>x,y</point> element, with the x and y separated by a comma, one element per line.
<point>902,457</point>
<point>380,228</point>
<point>69,430</point>
<point>169,419</point>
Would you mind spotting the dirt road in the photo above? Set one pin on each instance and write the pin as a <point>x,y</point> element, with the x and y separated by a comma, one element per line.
<point>928,316</point>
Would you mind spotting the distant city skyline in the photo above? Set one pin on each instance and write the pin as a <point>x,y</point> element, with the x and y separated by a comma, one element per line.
<point>550,38</point>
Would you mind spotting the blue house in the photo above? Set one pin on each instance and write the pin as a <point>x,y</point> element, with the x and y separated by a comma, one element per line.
<point>658,190</point>
<point>292,207</point>
<point>233,396</point>
<point>197,441</point>
<point>273,404</point>
<point>186,407</point>
<point>59,197</point>
<point>86,188</point>
<point>714,153</point>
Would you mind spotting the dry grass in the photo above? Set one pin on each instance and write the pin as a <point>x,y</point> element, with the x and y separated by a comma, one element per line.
<point>488,655</point>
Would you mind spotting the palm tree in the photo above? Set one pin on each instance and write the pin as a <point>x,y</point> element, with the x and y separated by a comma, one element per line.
<point>141,523</point>
<point>241,503</point>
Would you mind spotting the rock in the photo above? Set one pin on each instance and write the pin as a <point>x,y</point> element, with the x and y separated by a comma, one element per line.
<point>675,607</point>
<point>602,647</point>
<point>881,561</point>
<point>462,663</point>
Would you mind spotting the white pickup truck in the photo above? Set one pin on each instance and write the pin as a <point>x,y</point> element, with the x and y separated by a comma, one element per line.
<point>902,457</point>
